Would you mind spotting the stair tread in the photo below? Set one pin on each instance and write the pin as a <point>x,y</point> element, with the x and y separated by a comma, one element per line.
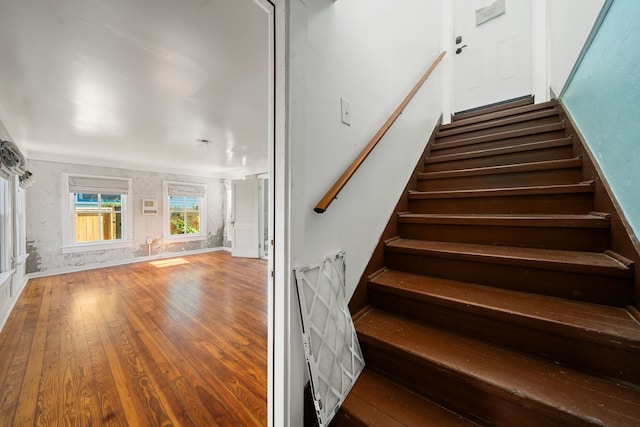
<point>575,162</point>
<point>499,114</point>
<point>492,108</point>
<point>530,146</point>
<point>552,259</point>
<point>375,400</point>
<point>515,220</point>
<point>505,373</point>
<point>507,134</point>
<point>583,187</point>
<point>611,326</point>
<point>496,122</point>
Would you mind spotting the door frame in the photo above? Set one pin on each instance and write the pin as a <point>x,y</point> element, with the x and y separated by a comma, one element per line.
<point>282,394</point>
<point>539,65</point>
<point>278,282</point>
<point>539,62</point>
<point>280,279</point>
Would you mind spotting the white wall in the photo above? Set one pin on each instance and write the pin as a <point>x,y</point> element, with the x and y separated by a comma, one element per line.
<point>569,25</point>
<point>44,218</point>
<point>370,52</point>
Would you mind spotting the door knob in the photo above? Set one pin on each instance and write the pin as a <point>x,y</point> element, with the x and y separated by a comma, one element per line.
<point>459,50</point>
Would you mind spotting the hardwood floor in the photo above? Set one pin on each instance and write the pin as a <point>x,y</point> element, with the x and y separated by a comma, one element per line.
<point>140,345</point>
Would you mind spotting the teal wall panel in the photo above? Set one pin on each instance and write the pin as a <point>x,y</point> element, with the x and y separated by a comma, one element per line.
<point>603,97</point>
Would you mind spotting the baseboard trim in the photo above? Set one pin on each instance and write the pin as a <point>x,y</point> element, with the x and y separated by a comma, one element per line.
<point>76,269</point>
<point>12,303</point>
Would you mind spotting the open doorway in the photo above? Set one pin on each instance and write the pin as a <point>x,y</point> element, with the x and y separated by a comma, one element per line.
<point>265,226</point>
<point>248,217</point>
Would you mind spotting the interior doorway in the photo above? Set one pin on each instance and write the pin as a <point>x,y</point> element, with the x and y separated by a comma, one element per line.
<point>264,224</point>
<point>245,218</point>
<point>492,52</point>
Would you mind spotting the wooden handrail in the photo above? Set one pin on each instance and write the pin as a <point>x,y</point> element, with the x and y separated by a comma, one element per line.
<point>324,203</point>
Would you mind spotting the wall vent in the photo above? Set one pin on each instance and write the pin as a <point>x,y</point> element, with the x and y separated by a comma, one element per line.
<point>150,207</point>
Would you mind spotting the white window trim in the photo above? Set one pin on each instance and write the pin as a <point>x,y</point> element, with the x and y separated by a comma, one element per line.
<point>166,229</point>
<point>6,276</point>
<point>6,225</point>
<point>68,244</point>
<point>19,224</point>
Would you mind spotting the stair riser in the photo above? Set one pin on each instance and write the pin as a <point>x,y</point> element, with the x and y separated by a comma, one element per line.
<point>576,239</point>
<point>459,133</point>
<point>554,153</point>
<point>503,180</point>
<point>612,291</point>
<point>462,146</point>
<point>577,203</point>
<point>476,400</point>
<point>524,335</point>
<point>498,115</point>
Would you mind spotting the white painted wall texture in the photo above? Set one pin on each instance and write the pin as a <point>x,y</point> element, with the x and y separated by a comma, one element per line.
<point>372,56</point>
<point>44,235</point>
<point>371,53</point>
<point>569,24</point>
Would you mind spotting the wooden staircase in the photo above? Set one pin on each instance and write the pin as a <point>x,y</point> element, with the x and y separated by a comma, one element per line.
<point>501,301</point>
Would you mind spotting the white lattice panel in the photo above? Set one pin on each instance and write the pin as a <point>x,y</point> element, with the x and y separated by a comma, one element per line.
<point>331,345</point>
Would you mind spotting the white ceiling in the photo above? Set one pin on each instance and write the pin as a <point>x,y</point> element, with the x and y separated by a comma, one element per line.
<point>135,83</point>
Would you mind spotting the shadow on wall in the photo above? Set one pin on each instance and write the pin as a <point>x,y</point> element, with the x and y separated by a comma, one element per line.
<point>32,264</point>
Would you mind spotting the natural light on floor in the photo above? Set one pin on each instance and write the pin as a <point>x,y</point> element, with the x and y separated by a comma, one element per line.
<point>169,262</point>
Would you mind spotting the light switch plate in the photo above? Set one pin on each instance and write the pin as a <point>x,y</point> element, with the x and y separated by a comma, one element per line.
<point>345,109</point>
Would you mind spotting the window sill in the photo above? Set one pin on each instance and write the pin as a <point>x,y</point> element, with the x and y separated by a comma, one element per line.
<point>5,276</point>
<point>184,238</point>
<point>96,247</point>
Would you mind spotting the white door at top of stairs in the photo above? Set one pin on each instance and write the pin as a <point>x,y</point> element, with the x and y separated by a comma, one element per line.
<point>492,50</point>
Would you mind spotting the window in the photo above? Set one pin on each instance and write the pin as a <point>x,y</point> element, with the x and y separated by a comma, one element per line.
<point>184,213</point>
<point>96,212</point>
<point>98,217</point>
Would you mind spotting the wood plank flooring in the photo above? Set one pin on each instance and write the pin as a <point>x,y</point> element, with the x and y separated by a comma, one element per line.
<point>172,344</point>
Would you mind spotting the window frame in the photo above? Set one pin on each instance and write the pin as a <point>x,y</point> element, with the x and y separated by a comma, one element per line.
<point>166,214</point>
<point>69,245</point>
<point>19,224</point>
<point>6,228</point>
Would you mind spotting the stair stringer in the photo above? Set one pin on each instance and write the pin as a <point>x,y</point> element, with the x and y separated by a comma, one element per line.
<point>359,300</point>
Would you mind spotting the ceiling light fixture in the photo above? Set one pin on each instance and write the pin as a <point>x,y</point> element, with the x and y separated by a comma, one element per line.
<point>204,143</point>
